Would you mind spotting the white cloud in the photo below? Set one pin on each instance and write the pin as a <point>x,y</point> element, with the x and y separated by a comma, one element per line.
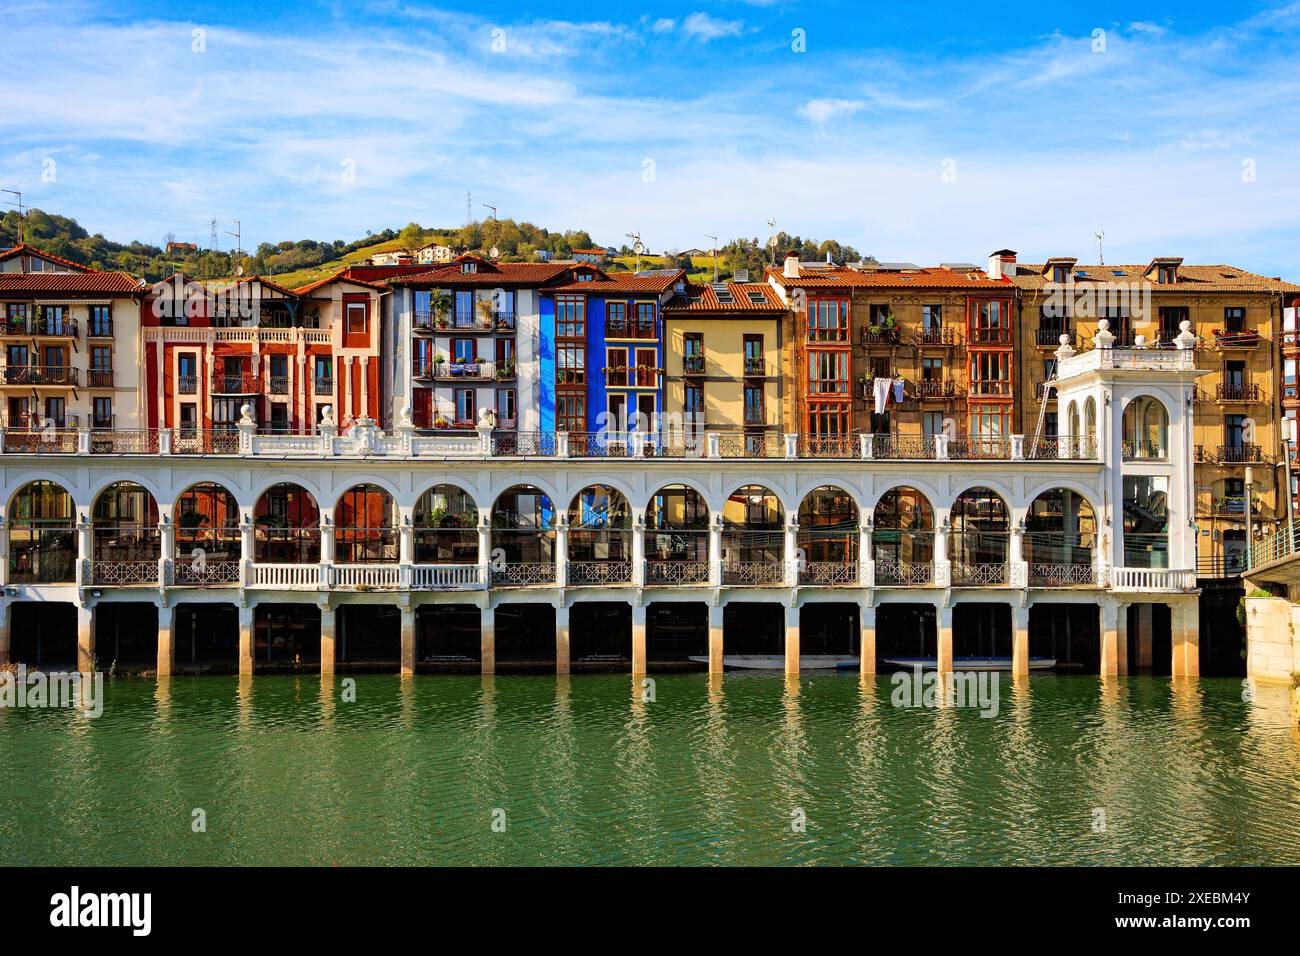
<point>663,25</point>
<point>704,27</point>
<point>821,111</point>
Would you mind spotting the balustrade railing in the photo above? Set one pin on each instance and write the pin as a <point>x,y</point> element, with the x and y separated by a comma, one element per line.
<point>523,574</point>
<point>1051,575</point>
<point>753,573</point>
<point>903,573</point>
<point>599,572</point>
<point>828,573</point>
<point>978,574</point>
<point>670,573</point>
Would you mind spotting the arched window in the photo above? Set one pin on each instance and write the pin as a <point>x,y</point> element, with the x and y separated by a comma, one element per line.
<point>523,537</point>
<point>902,540</point>
<point>753,537</point>
<point>126,540</point>
<point>977,546</point>
<point>600,536</point>
<point>286,526</point>
<point>1146,428</point>
<point>208,541</point>
<point>446,527</point>
<point>677,536</point>
<point>42,535</point>
<point>828,537</point>
<point>365,526</point>
<point>1060,533</point>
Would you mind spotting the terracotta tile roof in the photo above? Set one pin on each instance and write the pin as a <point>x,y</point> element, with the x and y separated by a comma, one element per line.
<point>30,250</point>
<point>1191,279</point>
<point>75,283</point>
<point>603,283</point>
<point>704,299</point>
<point>928,277</point>
<point>341,276</point>
<point>489,275</point>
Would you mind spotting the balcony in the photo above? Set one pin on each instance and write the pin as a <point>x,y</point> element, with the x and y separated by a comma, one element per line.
<point>583,573</point>
<point>38,375</point>
<point>1241,454</point>
<point>756,368</point>
<point>1236,338</point>
<point>518,575</point>
<point>937,390</point>
<point>441,370</point>
<point>187,384</point>
<point>323,385</point>
<point>936,337</point>
<point>1139,450</point>
<point>883,337</point>
<point>829,574</point>
<point>99,378</point>
<point>100,328</point>
<point>1049,336</point>
<point>755,574</point>
<point>41,327</point>
<point>1236,392</point>
<point>1062,575</point>
<point>891,573</point>
<point>981,574</point>
<point>279,384</point>
<point>234,383</point>
<point>615,329</point>
<point>693,365</point>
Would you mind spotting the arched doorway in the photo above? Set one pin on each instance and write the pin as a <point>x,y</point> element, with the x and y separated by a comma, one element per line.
<point>902,538</point>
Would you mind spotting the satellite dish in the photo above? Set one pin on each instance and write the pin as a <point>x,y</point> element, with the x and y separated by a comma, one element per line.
<point>494,252</point>
<point>239,270</point>
<point>638,247</point>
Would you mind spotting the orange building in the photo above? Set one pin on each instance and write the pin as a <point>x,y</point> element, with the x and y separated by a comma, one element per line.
<point>289,353</point>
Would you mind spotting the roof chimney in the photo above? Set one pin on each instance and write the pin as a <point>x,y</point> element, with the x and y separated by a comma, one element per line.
<point>1002,264</point>
<point>791,270</point>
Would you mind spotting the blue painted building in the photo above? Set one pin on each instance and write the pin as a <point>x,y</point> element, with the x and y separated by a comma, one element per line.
<point>601,350</point>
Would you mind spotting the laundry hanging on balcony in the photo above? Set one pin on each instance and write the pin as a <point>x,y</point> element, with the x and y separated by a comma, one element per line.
<point>880,388</point>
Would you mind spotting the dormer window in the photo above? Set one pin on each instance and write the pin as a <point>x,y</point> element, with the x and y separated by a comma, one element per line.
<point>468,268</point>
<point>1060,274</point>
<point>1167,275</point>
<point>585,277</point>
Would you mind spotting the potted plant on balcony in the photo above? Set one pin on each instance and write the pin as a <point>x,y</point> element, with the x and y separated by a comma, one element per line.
<point>441,422</point>
<point>485,310</point>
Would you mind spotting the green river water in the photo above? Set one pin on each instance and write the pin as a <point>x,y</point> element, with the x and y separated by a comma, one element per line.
<point>581,770</point>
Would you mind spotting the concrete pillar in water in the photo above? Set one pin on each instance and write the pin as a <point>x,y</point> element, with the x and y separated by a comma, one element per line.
<point>487,630</point>
<point>638,639</point>
<point>1019,640</point>
<point>245,640</point>
<point>1185,636</point>
<point>1110,614</point>
<point>791,640</point>
<point>562,640</point>
<point>85,639</point>
<point>166,640</point>
<point>716,617</point>
<point>1121,639</point>
<point>408,641</point>
<point>943,638</point>
<point>327,621</point>
<point>6,614</point>
<point>867,644</point>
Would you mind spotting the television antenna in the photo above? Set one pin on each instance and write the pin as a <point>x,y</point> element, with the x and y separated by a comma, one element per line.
<point>22,213</point>
<point>715,256</point>
<point>638,247</point>
<point>1101,255</point>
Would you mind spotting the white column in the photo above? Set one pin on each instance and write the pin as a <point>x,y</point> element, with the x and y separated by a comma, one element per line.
<point>866,557</point>
<point>942,566</point>
<point>85,548</point>
<point>791,553</point>
<point>484,553</point>
<point>638,550</point>
<point>326,547</point>
<point>167,536</point>
<point>247,551</point>
<point>715,552</point>
<point>1110,611</point>
<point>562,550</point>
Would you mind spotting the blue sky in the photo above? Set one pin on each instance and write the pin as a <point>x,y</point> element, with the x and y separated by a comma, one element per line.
<point>930,132</point>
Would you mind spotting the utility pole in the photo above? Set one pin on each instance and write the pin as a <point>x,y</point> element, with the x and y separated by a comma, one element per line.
<point>715,256</point>
<point>22,215</point>
<point>239,249</point>
<point>469,208</point>
<point>212,238</point>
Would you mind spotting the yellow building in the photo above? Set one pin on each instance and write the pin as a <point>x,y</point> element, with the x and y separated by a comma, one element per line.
<point>723,359</point>
<point>1236,317</point>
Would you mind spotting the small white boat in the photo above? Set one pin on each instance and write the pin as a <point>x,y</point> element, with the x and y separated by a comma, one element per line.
<point>776,662</point>
<point>969,663</point>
